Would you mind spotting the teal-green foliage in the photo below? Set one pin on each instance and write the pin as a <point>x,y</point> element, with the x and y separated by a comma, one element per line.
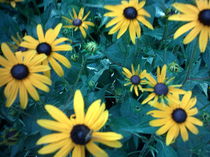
<point>99,76</point>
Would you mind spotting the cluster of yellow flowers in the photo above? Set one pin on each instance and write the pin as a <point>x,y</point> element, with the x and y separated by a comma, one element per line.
<point>175,106</point>
<point>30,66</point>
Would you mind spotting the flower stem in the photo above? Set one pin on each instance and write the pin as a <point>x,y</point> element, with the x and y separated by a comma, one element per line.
<point>189,67</point>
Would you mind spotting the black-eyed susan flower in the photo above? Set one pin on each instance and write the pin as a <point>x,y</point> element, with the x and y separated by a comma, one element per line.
<point>198,18</point>
<point>79,21</point>
<point>77,132</point>
<point>176,118</point>
<point>20,74</point>
<point>127,16</point>
<point>17,39</point>
<point>134,78</point>
<point>48,44</point>
<point>161,89</point>
<point>12,2</point>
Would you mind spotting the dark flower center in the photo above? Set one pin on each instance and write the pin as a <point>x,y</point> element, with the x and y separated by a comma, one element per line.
<point>179,115</point>
<point>135,79</point>
<point>80,134</point>
<point>77,22</point>
<point>19,71</point>
<point>204,17</point>
<point>130,13</point>
<point>161,89</point>
<point>22,49</point>
<point>44,48</point>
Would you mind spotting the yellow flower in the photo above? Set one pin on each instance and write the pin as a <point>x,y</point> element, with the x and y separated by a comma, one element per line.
<point>161,90</point>
<point>16,43</point>
<point>174,118</point>
<point>12,2</point>
<point>134,78</point>
<point>198,22</point>
<point>78,132</point>
<point>78,21</point>
<point>20,74</point>
<point>127,15</point>
<point>48,44</point>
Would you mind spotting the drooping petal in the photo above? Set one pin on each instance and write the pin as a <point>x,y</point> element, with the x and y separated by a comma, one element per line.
<point>95,150</point>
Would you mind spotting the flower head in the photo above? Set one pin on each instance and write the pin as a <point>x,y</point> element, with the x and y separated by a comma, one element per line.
<point>176,118</point>
<point>79,21</point>
<point>20,74</point>
<point>161,88</point>
<point>48,45</point>
<point>78,132</point>
<point>198,18</point>
<point>12,2</point>
<point>134,78</point>
<point>127,15</point>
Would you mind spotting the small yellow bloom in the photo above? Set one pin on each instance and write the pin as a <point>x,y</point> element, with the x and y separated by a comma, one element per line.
<point>176,118</point>
<point>48,45</point>
<point>20,74</point>
<point>79,21</point>
<point>161,88</point>
<point>127,15</point>
<point>198,22</point>
<point>134,78</point>
<point>78,132</point>
<point>12,2</point>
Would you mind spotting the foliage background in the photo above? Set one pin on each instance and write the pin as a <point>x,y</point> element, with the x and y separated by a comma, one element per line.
<point>99,76</point>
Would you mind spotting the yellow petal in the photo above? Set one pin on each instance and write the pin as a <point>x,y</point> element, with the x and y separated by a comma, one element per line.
<point>56,67</point>
<point>195,121</point>
<point>52,138</point>
<point>13,93</point>
<point>79,151</point>
<point>165,127</point>
<point>79,106</point>
<point>52,147</point>
<point>172,134</point>
<point>183,29</point>
<point>57,114</point>
<point>150,97</point>
<point>184,133</point>
<point>62,59</point>
<point>192,128</point>
<point>93,113</point>
<point>95,150</point>
<point>123,29</point>
<point>64,151</point>
<point>101,121</point>
<point>81,12</point>
<point>31,90</point>
<point>163,73</point>
<point>132,32</point>
<point>114,144</point>
<point>186,8</point>
<point>106,136</point>
<point>203,39</point>
<point>145,22</point>
<point>53,35</point>
<point>40,33</point>
<point>127,72</point>
<point>84,34</point>
<point>8,53</point>
<point>63,47</point>
<point>53,125</point>
<point>192,34</point>
<point>23,95</point>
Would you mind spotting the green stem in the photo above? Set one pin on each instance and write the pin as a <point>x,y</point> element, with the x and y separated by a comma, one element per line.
<point>80,72</point>
<point>190,64</point>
